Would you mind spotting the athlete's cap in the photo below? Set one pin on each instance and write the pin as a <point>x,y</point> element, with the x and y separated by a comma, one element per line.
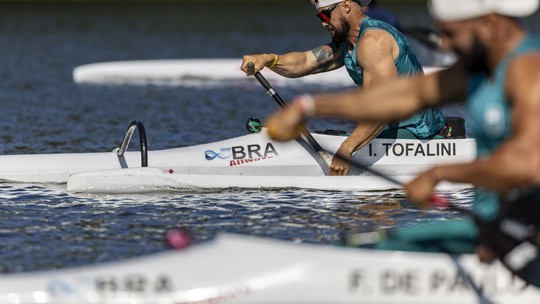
<point>457,10</point>
<point>323,3</point>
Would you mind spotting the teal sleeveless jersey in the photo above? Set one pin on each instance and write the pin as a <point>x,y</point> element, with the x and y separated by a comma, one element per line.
<point>423,124</point>
<point>488,118</point>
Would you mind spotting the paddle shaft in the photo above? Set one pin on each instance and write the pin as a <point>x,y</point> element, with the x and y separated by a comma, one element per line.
<point>270,91</point>
<point>437,200</point>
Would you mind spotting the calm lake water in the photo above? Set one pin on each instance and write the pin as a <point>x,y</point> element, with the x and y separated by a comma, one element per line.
<point>43,111</point>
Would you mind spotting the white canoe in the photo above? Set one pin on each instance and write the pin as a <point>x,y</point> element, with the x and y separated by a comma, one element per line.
<point>192,72</point>
<point>250,161</point>
<point>242,269</point>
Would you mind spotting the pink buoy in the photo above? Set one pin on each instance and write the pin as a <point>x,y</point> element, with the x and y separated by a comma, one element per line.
<point>177,238</point>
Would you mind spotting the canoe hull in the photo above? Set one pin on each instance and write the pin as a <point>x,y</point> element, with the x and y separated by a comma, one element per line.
<point>148,180</point>
<point>229,270</point>
<point>250,161</point>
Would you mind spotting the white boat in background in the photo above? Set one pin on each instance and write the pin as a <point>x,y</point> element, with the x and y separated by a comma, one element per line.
<point>250,161</point>
<point>193,72</point>
<point>243,269</point>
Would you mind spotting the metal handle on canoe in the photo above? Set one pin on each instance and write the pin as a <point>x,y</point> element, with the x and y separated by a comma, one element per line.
<point>142,140</point>
<point>270,91</point>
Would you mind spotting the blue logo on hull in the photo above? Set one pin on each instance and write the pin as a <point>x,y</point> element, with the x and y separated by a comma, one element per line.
<point>211,155</point>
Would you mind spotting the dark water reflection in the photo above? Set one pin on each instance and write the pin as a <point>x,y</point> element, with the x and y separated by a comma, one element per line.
<point>43,227</point>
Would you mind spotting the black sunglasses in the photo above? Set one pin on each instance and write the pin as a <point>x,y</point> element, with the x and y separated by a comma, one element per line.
<point>325,14</point>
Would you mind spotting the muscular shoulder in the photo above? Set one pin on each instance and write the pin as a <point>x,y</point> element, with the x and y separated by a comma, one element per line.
<point>375,43</point>
<point>523,78</point>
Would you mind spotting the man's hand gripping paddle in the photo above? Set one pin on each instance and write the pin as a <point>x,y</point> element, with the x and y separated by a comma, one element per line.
<point>270,91</point>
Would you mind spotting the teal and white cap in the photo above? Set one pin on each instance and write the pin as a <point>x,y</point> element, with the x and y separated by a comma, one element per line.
<point>457,10</point>
<point>323,3</point>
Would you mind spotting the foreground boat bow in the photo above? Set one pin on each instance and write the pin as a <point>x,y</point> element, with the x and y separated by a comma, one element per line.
<point>242,269</point>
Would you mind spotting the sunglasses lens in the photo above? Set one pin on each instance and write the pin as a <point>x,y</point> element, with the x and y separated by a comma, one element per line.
<point>324,17</point>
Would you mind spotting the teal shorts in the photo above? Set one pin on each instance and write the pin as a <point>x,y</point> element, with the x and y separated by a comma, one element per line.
<point>403,133</point>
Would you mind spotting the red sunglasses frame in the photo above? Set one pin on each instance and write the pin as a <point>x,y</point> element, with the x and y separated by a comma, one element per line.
<point>326,14</point>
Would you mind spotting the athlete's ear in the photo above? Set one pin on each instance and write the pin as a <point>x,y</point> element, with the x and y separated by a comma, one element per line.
<point>347,6</point>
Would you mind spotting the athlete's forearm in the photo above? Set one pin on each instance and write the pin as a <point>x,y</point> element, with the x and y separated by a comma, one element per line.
<point>500,172</point>
<point>360,137</point>
<point>292,65</point>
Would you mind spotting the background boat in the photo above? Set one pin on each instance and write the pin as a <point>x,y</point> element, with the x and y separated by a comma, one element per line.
<point>197,72</point>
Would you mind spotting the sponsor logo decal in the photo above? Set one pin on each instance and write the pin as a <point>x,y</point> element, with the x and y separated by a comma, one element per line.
<point>211,155</point>
<point>494,121</point>
<point>59,287</point>
<point>243,154</point>
<point>134,283</point>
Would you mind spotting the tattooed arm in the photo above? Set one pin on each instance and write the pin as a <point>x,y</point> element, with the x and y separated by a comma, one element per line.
<point>324,58</point>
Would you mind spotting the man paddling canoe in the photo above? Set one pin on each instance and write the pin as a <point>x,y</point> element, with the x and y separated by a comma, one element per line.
<point>373,52</point>
<point>499,74</point>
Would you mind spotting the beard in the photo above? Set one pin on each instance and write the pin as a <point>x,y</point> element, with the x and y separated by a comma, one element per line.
<point>476,59</point>
<point>340,36</point>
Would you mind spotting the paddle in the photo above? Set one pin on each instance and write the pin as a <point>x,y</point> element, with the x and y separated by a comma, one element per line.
<point>437,200</point>
<point>270,91</point>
